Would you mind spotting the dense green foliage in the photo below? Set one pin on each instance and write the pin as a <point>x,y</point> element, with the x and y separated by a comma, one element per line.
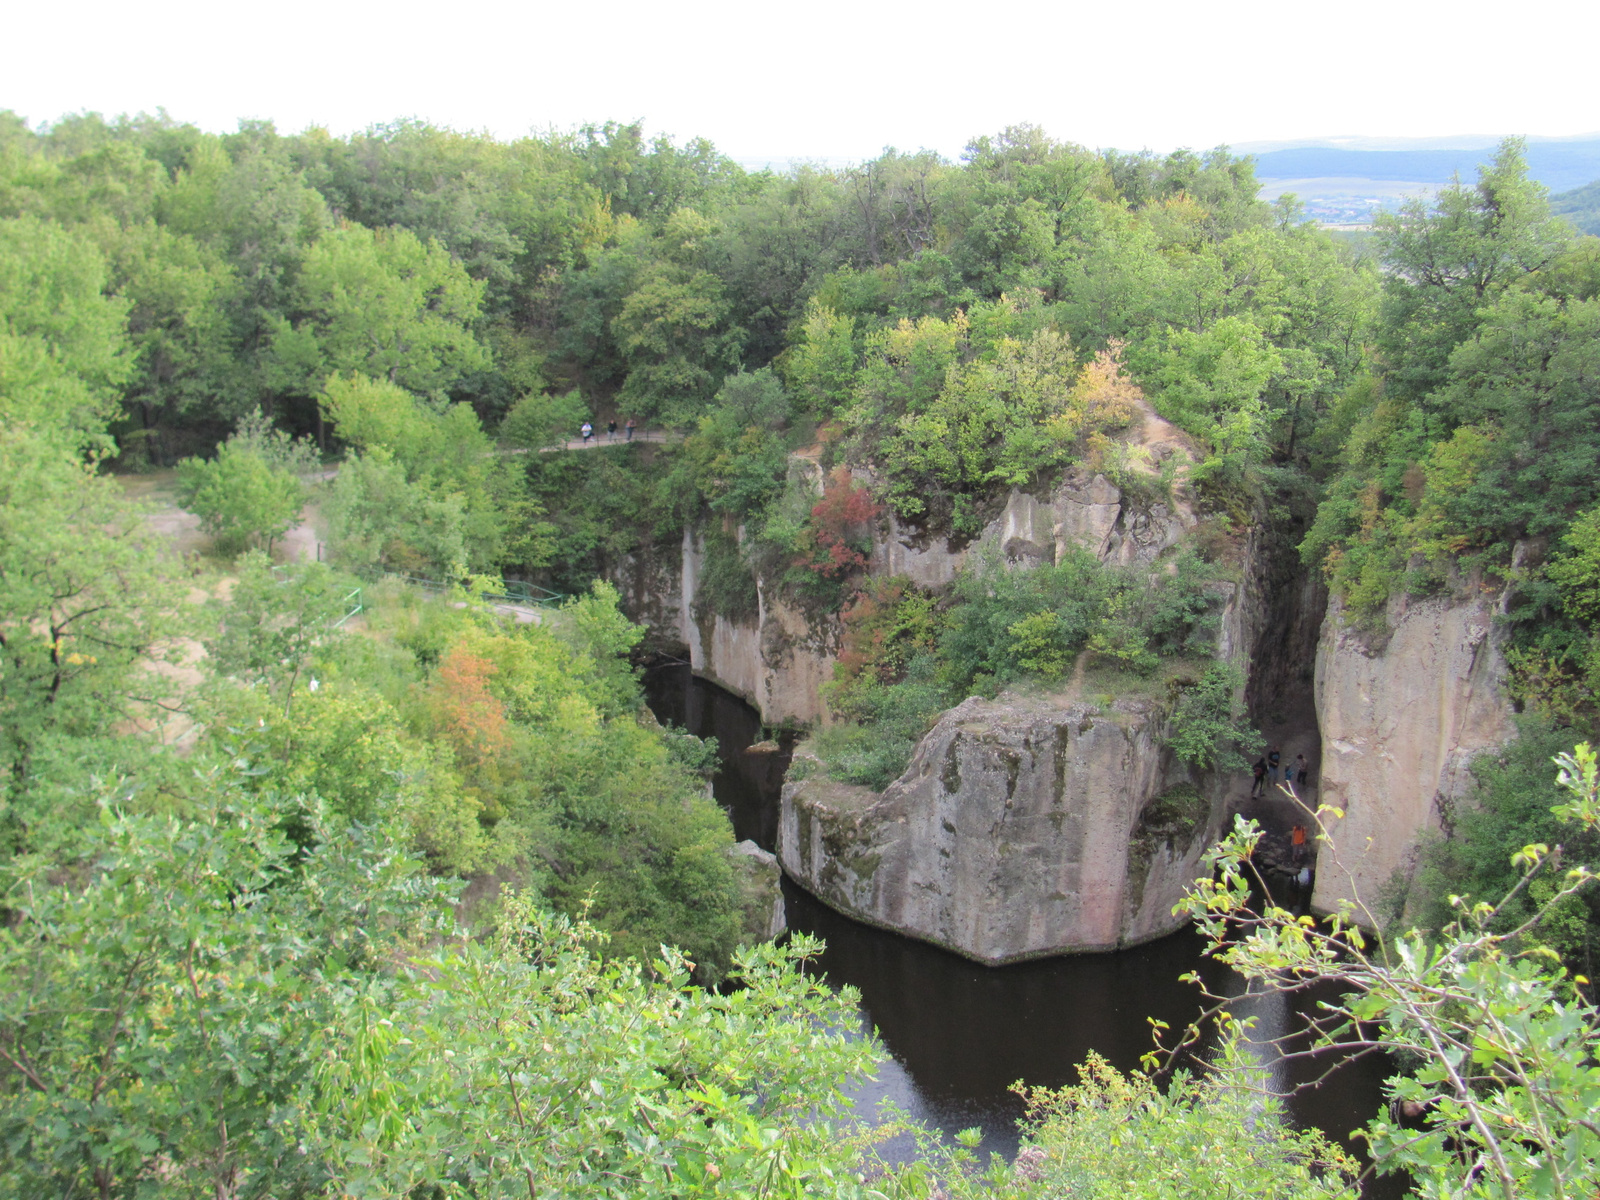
<point>253,490</point>
<point>955,328</point>
<point>1098,1140</point>
<point>217,1011</point>
<point>423,489</point>
<point>83,596</point>
<point>908,655</point>
<point>1496,1097</point>
<point>234,808</point>
<point>1478,430</point>
<point>485,747</point>
<point>1208,726</point>
<point>1509,809</point>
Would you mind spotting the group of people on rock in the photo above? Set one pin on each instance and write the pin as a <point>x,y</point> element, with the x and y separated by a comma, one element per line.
<point>586,431</point>
<point>1267,768</point>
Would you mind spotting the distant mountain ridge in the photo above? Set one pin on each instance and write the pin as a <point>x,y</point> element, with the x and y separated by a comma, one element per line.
<point>1559,165</point>
<point>1455,141</point>
<point>1581,207</point>
<point>1349,179</point>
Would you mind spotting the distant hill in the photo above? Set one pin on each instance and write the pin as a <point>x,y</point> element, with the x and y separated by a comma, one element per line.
<point>1581,206</point>
<point>1347,180</point>
<point>1560,166</point>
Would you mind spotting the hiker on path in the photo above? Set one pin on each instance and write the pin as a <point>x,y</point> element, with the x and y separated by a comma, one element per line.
<point>630,429</point>
<point>1300,769</point>
<point>1297,840</point>
<point>611,430</point>
<point>1274,757</point>
<point>1260,784</point>
<point>587,430</point>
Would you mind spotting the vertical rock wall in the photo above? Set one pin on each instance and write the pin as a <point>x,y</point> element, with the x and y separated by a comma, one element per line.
<point>1023,827</point>
<point>1028,825</point>
<point>1401,722</point>
<point>779,660</point>
<point>776,662</point>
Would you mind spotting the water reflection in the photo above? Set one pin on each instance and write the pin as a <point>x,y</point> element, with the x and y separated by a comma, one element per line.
<point>746,785</point>
<point>961,1034</point>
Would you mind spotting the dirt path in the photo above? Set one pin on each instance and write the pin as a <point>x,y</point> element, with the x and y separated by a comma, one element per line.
<point>302,543</point>
<point>158,491</point>
<point>1160,440</point>
<point>600,439</point>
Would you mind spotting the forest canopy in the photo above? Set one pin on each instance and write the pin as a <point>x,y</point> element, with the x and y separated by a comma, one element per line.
<point>319,883</point>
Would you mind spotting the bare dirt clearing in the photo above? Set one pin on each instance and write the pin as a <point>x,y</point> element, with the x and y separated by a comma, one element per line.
<point>158,492</point>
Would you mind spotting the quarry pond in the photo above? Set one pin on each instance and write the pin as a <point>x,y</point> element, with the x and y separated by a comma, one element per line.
<point>960,1034</point>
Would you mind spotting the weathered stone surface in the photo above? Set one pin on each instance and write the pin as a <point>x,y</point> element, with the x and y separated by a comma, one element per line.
<point>1026,531</point>
<point>777,662</point>
<point>1087,509</point>
<point>761,890</point>
<point>1400,725</point>
<point>926,559</point>
<point>1023,827</point>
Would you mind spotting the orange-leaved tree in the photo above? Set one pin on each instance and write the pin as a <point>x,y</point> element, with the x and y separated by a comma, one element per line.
<point>468,714</point>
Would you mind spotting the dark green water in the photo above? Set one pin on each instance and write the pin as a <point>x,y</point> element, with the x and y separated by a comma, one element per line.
<point>961,1034</point>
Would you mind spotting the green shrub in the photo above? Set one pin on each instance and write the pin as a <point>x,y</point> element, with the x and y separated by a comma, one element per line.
<point>241,497</point>
<point>1208,727</point>
<point>726,585</point>
<point>1040,644</point>
<point>889,622</point>
<point>1121,1137</point>
<point>1509,808</point>
<point>1012,623</point>
<point>542,420</point>
<point>883,722</point>
<point>991,598</point>
<point>697,755</point>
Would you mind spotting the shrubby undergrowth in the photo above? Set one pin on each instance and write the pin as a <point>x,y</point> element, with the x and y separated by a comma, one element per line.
<point>909,655</point>
<point>227,832</point>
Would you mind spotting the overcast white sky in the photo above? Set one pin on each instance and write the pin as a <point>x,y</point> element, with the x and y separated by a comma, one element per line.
<point>836,79</point>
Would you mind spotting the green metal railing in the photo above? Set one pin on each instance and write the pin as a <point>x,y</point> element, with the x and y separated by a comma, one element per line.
<point>529,594</point>
<point>354,601</point>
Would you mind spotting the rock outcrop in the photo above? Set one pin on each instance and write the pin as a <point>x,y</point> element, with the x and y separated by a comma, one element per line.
<point>1028,825</point>
<point>1400,724</point>
<point>1085,509</point>
<point>778,659</point>
<point>760,893</point>
<point>1023,827</point>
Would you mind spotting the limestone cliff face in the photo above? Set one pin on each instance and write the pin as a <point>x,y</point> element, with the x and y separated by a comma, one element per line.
<point>1023,827</point>
<point>760,893</point>
<point>778,660</point>
<point>1400,724</point>
<point>1027,825</point>
<point>1085,509</point>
